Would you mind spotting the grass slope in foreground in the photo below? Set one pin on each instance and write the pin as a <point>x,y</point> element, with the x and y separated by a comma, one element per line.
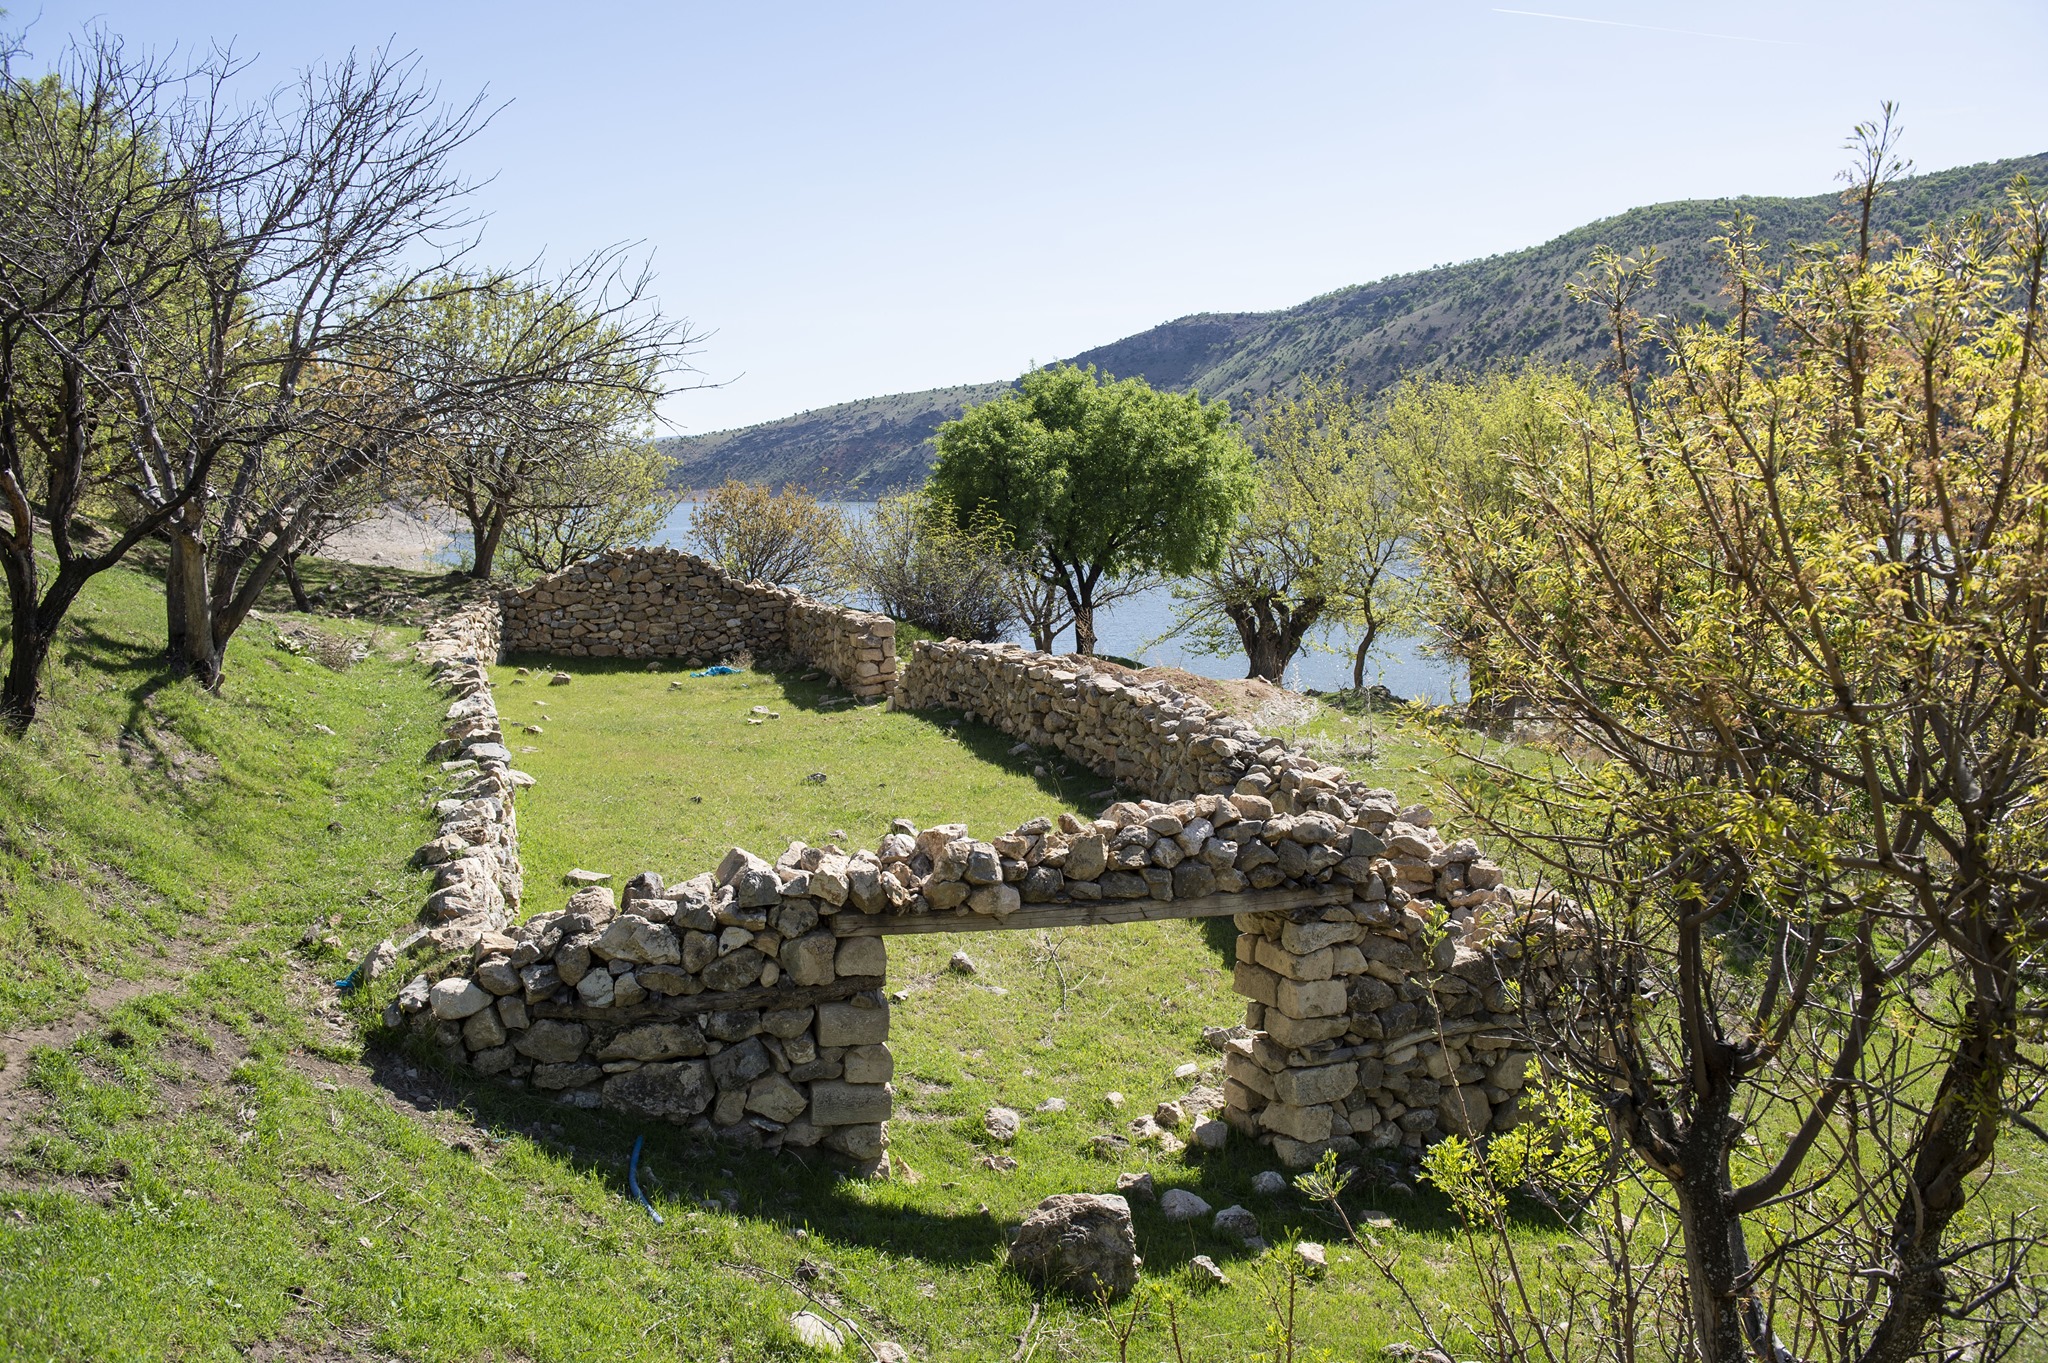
<point>223,1164</point>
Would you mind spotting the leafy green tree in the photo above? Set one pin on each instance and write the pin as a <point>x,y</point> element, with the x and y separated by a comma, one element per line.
<point>1097,480</point>
<point>547,463</point>
<point>1446,442</point>
<point>588,502</point>
<point>1789,610</point>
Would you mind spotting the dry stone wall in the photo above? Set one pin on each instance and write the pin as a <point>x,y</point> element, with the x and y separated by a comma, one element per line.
<point>1382,964</point>
<point>1146,736</point>
<point>662,603</point>
<point>475,855</point>
<point>726,1004</point>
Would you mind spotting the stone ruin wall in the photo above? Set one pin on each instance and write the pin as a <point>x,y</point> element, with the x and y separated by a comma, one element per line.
<point>748,1003</point>
<point>1377,1024</point>
<point>662,603</point>
<point>475,854</point>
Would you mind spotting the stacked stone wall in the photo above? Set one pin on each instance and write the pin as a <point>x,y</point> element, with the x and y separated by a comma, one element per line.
<point>662,603</point>
<point>1145,736</point>
<point>475,854</point>
<point>1384,999</point>
<point>734,1004</point>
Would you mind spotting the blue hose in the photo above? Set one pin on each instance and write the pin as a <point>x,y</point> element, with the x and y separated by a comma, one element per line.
<point>633,1180</point>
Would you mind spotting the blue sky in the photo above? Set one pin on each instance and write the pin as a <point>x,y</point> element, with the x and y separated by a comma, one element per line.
<point>855,199</point>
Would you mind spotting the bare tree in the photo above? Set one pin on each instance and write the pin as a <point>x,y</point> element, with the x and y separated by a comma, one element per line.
<point>107,171</point>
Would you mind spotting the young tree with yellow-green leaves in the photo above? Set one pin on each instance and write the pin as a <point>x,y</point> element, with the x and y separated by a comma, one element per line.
<point>1791,610</point>
<point>1318,543</point>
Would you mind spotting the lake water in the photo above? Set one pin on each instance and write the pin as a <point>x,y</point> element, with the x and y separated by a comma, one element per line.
<point>1129,629</point>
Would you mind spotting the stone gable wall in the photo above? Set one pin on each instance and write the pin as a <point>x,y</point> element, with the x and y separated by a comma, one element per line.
<point>663,603</point>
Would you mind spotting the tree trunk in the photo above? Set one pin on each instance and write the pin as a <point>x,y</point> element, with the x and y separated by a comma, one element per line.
<point>188,607</point>
<point>28,650</point>
<point>1365,643</point>
<point>291,580</point>
<point>1084,629</point>
<point>1709,1227</point>
<point>1960,1135</point>
<point>484,539</point>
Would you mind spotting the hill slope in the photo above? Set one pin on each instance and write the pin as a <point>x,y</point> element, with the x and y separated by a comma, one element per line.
<point>1455,317</point>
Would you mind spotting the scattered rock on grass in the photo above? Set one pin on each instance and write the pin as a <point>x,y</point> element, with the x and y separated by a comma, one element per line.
<point>579,876</point>
<point>963,964</point>
<point>1136,1187</point>
<point>1079,1243</point>
<point>1002,1123</point>
<point>815,1332</point>
<point>1206,1272</point>
<point>1211,1134</point>
<point>560,679</point>
<point>1178,1204</point>
<point>1312,1257</point>
<point>1269,1183</point>
<point>1237,1223</point>
<point>1053,1105</point>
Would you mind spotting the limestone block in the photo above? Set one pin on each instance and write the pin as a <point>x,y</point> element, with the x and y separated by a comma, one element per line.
<point>551,1041</point>
<point>871,1064</point>
<point>809,959</point>
<point>861,956</point>
<point>1302,1123</point>
<point>1295,1033</point>
<point>848,1024</point>
<point>1317,965</point>
<point>1308,998</point>
<point>671,1091</point>
<point>1322,1084</point>
<point>835,1102</point>
<point>655,1041</point>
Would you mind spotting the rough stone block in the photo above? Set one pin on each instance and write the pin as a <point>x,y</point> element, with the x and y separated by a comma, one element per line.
<point>1309,998</point>
<point>1302,1123</point>
<point>848,1024</point>
<point>834,1102</point>
<point>1322,1084</point>
<point>861,956</point>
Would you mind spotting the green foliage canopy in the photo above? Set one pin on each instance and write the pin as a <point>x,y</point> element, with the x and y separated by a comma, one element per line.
<point>1102,479</point>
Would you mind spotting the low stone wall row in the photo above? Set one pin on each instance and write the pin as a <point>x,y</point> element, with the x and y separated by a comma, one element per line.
<point>1378,1018</point>
<point>1146,736</point>
<point>662,603</point>
<point>475,854</point>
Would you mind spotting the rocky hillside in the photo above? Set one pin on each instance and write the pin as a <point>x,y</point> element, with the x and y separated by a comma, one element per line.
<point>1457,317</point>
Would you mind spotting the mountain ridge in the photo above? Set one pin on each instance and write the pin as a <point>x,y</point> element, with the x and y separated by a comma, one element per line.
<point>1466,316</point>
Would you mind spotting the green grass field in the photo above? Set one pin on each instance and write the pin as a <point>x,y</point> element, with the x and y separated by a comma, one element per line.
<point>210,1155</point>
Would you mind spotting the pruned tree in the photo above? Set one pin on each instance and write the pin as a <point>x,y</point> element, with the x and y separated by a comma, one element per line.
<point>1798,626</point>
<point>1319,542</point>
<point>616,494</point>
<point>108,171</point>
<point>532,463</point>
<point>1096,481</point>
<point>761,535</point>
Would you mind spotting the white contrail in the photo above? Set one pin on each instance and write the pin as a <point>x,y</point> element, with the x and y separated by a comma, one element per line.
<point>1648,28</point>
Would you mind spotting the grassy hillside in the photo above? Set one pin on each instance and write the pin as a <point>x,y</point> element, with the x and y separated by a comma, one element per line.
<point>207,1151</point>
<point>1456,317</point>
